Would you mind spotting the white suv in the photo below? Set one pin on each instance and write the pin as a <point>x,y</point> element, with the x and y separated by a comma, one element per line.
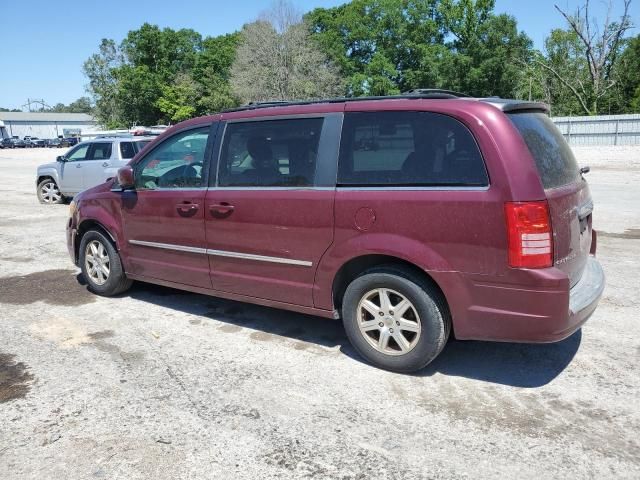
<point>85,165</point>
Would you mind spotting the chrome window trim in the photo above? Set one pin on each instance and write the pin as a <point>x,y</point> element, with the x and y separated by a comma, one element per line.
<point>274,188</point>
<point>165,189</point>
<point>266,118</point>
<point>222,253</point>
<point>398,188</point>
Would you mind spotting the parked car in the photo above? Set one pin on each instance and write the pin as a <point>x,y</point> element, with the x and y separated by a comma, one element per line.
<point>33,142</point>
<point>411,218</point>
<point>13,142</point>
<point>53,143</point>
<point>69,142</point>
<point>85,165</point>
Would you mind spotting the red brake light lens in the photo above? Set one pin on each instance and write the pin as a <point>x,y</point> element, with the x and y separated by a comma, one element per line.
<point>529,234</point>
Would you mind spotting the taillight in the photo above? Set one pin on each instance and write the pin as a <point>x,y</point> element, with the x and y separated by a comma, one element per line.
<point>529,234</point>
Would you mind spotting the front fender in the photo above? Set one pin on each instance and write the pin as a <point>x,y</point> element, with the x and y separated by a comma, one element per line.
<point>403,248</point>
<point>48,172</point>
<point>106,213</point>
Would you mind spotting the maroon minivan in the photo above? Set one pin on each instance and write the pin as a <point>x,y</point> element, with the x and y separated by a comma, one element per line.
<point>408,217</point>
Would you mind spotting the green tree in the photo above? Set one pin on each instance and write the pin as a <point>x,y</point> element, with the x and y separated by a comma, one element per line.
<point>390,46</point>
<point>100,69</point>
<point>628,74</point>
<point>212,72</point>
<point>161,75</point>
<point>382,46</point>
<point>178,101</point>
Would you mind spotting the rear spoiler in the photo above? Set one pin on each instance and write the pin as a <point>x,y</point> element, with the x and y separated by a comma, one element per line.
<point>509,105</point>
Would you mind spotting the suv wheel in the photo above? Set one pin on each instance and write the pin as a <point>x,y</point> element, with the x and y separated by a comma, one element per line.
<point>395,320</point>
<point>101,265</point>
<point>48,192</point>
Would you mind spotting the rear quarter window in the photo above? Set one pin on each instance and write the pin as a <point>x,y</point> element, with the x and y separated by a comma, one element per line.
<point>127,150</point>
<point>553,156</point>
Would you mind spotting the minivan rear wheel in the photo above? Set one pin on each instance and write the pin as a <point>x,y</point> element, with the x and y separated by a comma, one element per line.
<point>49,193</point>
<point>394,319</point>
<point>101,265</point>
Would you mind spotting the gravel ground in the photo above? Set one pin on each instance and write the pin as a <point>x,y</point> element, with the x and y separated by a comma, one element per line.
<point>164,384</point>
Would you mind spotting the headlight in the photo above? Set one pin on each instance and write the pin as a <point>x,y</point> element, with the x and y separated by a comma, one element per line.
<point>72,208</point>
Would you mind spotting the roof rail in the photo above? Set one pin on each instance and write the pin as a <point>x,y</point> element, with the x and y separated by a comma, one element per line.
<point>435,93</point>
<point>425,93</point>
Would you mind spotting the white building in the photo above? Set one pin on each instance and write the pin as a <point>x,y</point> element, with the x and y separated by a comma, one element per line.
<point>44,125</point>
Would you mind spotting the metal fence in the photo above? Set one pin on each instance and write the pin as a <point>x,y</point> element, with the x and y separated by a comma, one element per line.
<point>600,130</point>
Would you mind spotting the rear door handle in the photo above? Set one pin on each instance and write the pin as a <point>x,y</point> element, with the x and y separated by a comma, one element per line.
<point>105,164</point>
<point>79,165</point>
<point>222,207</point>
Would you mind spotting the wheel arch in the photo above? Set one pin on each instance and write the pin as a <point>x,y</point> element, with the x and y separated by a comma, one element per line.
<point>356,266</point>
<point>91,224</point>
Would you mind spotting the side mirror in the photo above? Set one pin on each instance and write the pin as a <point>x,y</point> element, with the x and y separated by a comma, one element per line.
<point>125,178</point>
<point>61,158</point>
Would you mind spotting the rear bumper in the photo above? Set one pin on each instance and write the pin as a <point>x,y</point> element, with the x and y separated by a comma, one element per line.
<point>585,295</point>
<point>547,311</point>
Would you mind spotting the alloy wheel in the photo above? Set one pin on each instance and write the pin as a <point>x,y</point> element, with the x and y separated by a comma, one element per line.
<point>96,262</point>
<point>50,192</point>
<point>388,321</point>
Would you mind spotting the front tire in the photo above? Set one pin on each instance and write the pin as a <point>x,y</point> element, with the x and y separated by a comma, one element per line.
<point>49,193</point>
<point>394,319</point>
<point>101,265</point>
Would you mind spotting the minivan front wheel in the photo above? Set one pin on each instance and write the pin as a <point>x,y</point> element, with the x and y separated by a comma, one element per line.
<point>394,319</point>
<point>101,266</point>
<point>49,193</point>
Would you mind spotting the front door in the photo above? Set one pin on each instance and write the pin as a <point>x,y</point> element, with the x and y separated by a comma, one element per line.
<point>164,216</point>
<point>97,162</point>
<point>71,171</point>
<point>270,218</point>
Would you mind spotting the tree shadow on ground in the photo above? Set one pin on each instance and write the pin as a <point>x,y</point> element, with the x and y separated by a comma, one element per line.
<point>512,364</point>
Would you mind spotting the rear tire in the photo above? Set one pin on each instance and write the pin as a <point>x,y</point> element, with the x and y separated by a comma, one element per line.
<point>396,320</point>
<point>101,265</point>
<point>49,193</point>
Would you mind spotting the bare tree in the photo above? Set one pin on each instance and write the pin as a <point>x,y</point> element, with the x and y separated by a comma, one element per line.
<point>601,46</point>
<point>278,60</point>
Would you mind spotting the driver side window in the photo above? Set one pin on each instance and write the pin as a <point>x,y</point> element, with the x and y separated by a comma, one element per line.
<point>78,153</point>
<point>176,163</point>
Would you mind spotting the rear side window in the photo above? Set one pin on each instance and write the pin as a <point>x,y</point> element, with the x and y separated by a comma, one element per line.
<point>408,149</point>
<point>127,150</point>
<point>555,161</point>
<point>272,153</point>
<point>99,151</point>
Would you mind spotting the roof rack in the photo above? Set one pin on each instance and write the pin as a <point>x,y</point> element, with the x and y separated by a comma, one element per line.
<point>436,93</point>
<point>416,94</point>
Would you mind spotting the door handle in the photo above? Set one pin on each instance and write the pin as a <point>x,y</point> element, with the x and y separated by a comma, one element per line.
<point>105,164</point>
<point>187,208</point>
<point>221,208</point>
<point>79,165</point>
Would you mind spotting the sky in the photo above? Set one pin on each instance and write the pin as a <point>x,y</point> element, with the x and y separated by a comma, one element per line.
<point>44,43</point>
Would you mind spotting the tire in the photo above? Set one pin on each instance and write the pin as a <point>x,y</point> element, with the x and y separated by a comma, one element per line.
<point>49,193</point>
<point>96,253</point>
<point>421,331</point>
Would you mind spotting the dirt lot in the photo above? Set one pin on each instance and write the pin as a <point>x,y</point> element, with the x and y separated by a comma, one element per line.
<point>164,384</point>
